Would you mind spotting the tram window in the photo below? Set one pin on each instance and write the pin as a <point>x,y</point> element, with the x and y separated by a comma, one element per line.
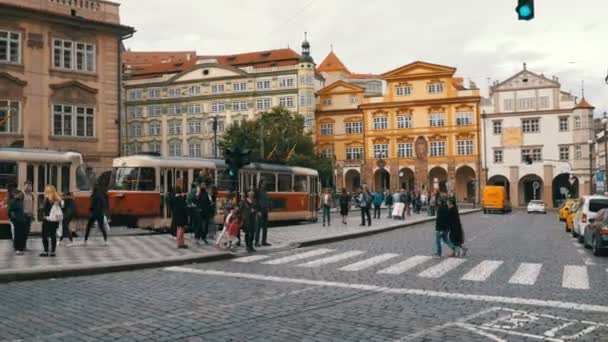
<point>8,175</point>
<point>41,178</point>
<point>270,180</point>
<point>224,182</point>
<point>285,182</point>
<point>147,179</point>
<point>53,177</point>
<point>247,181</point>
<point>204,175</point>
<point>82,181</point>
<point>125,178</point>
<point>300,184</point>
<point>162,182</point>
<point>30,173</point>
<point>65,179</point>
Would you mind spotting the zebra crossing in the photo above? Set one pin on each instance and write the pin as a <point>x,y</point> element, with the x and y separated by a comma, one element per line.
<point>574,277</point>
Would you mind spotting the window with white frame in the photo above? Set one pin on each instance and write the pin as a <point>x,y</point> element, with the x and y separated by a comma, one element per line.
<point>239,105</point>
<point>10,47</point>
<point>217,88</point>
<point>577,122</point>
<point>288,82</point>
<point>437,148</point>
<point>263,103</point>
<point>154,146</point>
<point>404,121</point>
<point>564,153</point>
<point>380,150</point>
<point>194,149</point>
<point>526,103</point>
<point>175,148</point>
<point>194,127</point>
<point>543,102</point>
<point>286,101</point>
<point>174,92</point>
<point>405,150</point>
<point>354,153</point>
<point>530,125</point>
<point>380,122</point>
<point>10,114</point>
<point>464,118</point>
<point>354,99</point>
<point>74,121</point>
<point>402,90</point>
<point>563,123</point>
<point>327,129</point>
<point>498,156</point>
<point>73,55</point>
<point>435,88</point>
<point>220,126</point>
<point>263,84</point>
<point>464,147</point>
<point>134,94</point>
<point>306,100</point>
<point>174,128</point>
<point>497,127</point>
<point>327,152</point>
<point>217,107</point>
<point>153,93</point>
<point>309,120</point>
<point>437,119</point>
<point>136,129</point>
<point>135,148</point>
<point>508,104</point>
<point>154,128</point>
<point>194,108</point>
<point>534,153</point>
<point>154,111</point>
<point>239,86</point>
<point>354,127</point>
<point>193,90</point>
<point>306,80</point>
<point>134,112</point>
<point>578,152</point>
<point>327,102</point>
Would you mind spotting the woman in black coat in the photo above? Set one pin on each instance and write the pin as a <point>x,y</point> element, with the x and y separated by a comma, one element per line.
<point>456,236</point>
<point>18,220</point>
<point>442,228</point>
<point>179,215</point>
<point>344,202</point>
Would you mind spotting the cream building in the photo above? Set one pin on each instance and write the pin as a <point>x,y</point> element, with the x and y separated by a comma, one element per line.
<point>173,101</point>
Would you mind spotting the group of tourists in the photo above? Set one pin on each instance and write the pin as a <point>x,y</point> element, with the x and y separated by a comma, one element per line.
<point>57,212</point>
<point>196,210</point>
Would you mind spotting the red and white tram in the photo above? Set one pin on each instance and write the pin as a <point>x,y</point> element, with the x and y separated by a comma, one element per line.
<point>64,170</point>
<point>140,184</point>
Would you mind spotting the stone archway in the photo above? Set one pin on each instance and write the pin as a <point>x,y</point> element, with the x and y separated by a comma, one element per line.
<point>563,187</point>
<point>352,180</point>
<point>530,187</point>
<point>438,178</point>
<point>382,179</point>
<point>500,180</point>
<point>465,184</point>
<point>407,179</point>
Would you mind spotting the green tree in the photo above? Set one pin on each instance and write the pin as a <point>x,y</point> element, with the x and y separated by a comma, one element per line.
<point>284,138</point>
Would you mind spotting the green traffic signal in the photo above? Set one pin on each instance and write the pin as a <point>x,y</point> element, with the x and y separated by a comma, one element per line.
<point>232,173</point>
<point>525,9</point>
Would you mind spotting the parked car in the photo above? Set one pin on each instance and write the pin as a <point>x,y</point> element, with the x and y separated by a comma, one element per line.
<point>589,206</point>
<point>596,233</point>
<point>536,206</point>
<point>565,209</point>
<point>570,217</point>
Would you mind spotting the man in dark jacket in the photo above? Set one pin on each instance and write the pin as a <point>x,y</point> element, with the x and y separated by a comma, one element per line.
<point>263,205</point>
<point>98,209</point>
<point>204,206</point>
<point>248,212</point>
<point>442,227</point>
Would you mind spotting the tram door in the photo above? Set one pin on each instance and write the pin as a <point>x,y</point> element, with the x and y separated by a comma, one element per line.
<point>169,178</point>
<point>313,195</point>
<point>41,175</point>
<point>247,181</point>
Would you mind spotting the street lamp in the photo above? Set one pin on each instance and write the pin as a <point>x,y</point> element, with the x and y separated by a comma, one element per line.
<point>590,142</point>
<point>214,126</point>
<point>605,122</point>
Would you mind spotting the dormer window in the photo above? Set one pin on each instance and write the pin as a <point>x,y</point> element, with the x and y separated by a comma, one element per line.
<point>435,88</point>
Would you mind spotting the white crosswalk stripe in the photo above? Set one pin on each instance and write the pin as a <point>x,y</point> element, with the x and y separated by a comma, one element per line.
<point>363,264</point>
<point>251,258</point>
<point>331,259</point>
<point>405,265</point>
<point>483,270</point>
<point>526,274</point>
<point>575,277</point>
<point>441,268</point>
<point>299,256</point>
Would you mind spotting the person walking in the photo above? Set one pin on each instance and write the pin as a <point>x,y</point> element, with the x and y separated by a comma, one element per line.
<point>28,209</point>
<point>456,235</point>
<point>98,209</point>
<point>388,201</point>
<point>51,219</point>
<point>263,204</point>
<point>249,215</point>
<point>18,220</point>
<point>327,202</point>
<point>68,215</point>
<point>442,229</point>
<point>365,202</point>
<point>344,204</point>
<point>403,198</point>
<point>204,205</point>
<point>192,210</point>
<point>378,198</point>
<point>431,205</point>
<point>179,214</point>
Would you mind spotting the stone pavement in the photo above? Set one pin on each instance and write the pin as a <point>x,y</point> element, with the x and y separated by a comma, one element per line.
<point>128,252</point>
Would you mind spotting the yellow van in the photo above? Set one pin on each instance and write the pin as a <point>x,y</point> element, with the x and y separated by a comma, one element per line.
<point>495,199</point>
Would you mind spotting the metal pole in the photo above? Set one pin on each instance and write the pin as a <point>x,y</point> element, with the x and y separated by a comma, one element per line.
<point>605,144</point>
<point>261,139</point>
<point>215,137</point>
<point>590,169</point>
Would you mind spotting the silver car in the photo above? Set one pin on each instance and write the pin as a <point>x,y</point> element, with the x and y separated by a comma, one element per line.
<point>536,206</point>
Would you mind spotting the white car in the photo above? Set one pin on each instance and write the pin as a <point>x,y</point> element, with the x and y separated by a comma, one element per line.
<point>536,206</point>
<point>589,206</point>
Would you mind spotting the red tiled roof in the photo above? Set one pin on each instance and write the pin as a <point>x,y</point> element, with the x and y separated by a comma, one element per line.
<point>332,63</point>
<point>457,82</point>
<point>363,76</point>
<point>258,59</point>
<point>584,105</point>
<point>156,57</point>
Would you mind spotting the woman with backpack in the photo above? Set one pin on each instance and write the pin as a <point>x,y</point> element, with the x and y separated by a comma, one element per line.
<point>51,219</point>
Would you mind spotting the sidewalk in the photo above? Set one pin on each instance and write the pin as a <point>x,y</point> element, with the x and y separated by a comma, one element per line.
<point>129,252</point>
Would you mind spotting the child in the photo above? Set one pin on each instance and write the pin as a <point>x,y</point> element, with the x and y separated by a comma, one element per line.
<point>234,228</point>
<point>229,218</point>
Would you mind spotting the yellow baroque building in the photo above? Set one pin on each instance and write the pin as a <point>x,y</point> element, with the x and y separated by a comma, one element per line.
<point>421,133</point>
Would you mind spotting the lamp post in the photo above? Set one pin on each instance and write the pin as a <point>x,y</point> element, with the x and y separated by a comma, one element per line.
<point>590,142</point>
<point>214,118</point>
<point>605,122</point>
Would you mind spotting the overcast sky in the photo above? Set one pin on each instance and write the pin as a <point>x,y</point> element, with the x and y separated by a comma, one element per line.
<point>482,38</point>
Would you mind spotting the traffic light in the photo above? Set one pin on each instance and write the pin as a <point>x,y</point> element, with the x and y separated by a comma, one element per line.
<point>235,160</point>
<point>525,9</point>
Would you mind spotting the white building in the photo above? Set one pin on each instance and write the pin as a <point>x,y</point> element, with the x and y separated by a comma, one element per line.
<point>528,115</point>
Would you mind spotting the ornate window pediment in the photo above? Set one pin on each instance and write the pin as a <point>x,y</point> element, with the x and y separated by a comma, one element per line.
<point>405,139</point>
<point>405,111</point>
<point>11,87</point>
<point>354,119</point>
<point>381,141</point>
<point>379,113</point>
<point>436,109</point>
<point>464,136</point>
<point>73,92</point>
<point>437,137</point>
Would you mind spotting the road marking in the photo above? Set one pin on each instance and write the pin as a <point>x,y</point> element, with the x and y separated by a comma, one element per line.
<point>441,268</point>
<point>363,264</point>
<point>299,256</point>
<point>526,274</point>
<point>575,277</point>
<point>406,265</point>
<point>251,258</point>
<point>331,259</point>
<point>479,331</point>
<point>580,251</point>
<point>589,262</point>
<point>400,291</point>
<point>482,271</point>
